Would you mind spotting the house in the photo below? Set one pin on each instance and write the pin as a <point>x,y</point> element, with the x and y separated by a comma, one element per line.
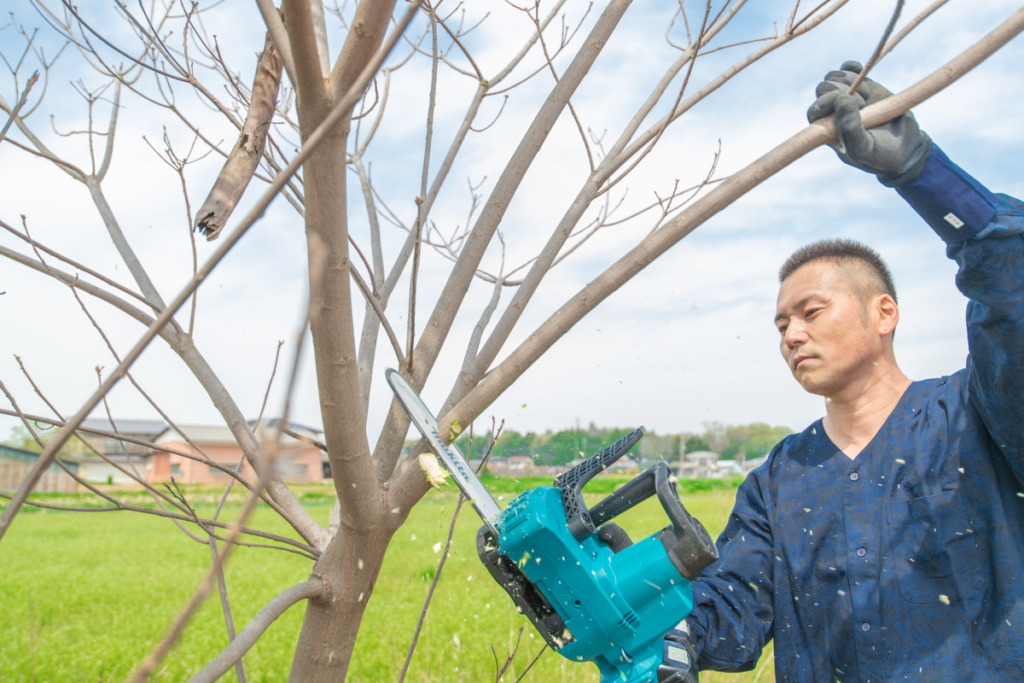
<point>121,457</point>
<point>753,463</point>
<point>516,466</point>
<point>15,464</point>
<point>199,454</point>
<point>706,465</point>
<point>152,451</point>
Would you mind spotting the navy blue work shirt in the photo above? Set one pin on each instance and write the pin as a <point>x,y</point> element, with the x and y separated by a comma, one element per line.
<point>906,563</point>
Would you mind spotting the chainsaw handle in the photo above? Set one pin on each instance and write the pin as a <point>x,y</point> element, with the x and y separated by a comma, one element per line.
<point>685,539</point>
<point>572,482</point>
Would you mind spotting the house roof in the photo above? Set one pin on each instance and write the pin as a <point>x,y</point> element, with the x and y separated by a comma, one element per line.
<point>221,434</point>
<point>203,434</point>
<point>21,455</point>
<point>127,427</point>
<point>702,456</point>
<point>294,426</point>
<point>159,431</point>
<point>18,453</point>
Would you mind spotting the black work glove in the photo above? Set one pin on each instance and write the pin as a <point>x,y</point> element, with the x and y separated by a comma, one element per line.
<point>679,661</point>
<point>894,151</point>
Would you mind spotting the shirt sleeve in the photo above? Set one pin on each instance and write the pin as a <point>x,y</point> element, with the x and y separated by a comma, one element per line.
<point>732,617</point>
<point>984,234</point>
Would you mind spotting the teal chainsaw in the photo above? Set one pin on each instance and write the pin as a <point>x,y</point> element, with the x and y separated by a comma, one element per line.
<point>592,593</point>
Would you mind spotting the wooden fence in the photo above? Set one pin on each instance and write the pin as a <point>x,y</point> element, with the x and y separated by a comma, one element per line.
<point>15,465</point>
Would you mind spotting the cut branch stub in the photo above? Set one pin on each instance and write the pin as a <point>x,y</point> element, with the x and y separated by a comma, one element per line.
<point>245,157</point>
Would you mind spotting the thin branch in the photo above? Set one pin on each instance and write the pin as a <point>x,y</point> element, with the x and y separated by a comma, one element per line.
<point>430,591</point>
<point>72,10</point>
<point>38,246</point>
<point>60,463</point>
<point>285,544</point>
<point>910,26</point>
<point>495,433</point>
<point>276,30</point>
<point>533,662</point>
<point>490,216</point>
<point>150,663</point>
<point>222,663</point>
<point>19,104</point>
<point>879,49</point>
<point>619,154</point>
<point>374,302</point>
<point>440,179</point>
<point>225,606</point>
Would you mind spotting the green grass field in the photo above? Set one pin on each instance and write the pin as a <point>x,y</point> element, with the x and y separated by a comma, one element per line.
<point>86,596</point>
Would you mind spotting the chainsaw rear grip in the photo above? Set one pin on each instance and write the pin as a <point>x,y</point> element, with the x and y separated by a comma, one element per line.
<point>686,541</point>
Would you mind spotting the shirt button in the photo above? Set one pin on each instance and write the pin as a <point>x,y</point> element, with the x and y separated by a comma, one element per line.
<point>861,552</point>
<point>854,476</point>
<point>865,627</point>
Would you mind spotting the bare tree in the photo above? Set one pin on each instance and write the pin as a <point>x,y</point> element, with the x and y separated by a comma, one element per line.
<point>396,262</point>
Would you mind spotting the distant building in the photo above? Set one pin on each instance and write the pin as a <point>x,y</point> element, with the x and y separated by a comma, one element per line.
<point>16,463</point>
<point>203,455</point>
<point>516,466</point>
<point>522,466</point>
<point>121,458</point>
<point>753,463</point>
<point>151,451</point>
<point>706,465</point>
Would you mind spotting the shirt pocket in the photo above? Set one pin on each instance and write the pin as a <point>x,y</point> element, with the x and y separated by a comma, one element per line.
<point>936,552</point>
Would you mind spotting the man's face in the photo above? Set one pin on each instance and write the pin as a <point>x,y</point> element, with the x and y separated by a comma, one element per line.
<point>829,335</point>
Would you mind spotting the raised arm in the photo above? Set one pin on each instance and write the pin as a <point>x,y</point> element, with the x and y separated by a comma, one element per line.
<point>983,234</point>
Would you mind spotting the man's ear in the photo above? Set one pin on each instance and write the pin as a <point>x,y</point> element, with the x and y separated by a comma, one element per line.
<point>888,314</point>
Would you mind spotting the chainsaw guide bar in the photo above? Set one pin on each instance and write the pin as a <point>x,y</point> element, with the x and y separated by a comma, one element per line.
<point>452,458</point>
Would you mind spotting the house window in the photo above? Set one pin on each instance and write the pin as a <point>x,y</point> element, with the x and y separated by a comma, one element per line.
<point>223,470</point>
<point>291,469</point>
<point>175,470</point>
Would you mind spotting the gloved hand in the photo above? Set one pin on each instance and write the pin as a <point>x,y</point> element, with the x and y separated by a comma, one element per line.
<point>679,663</point>
<point>894,151</point>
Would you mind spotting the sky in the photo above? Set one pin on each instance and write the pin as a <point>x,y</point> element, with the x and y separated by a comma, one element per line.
<point>686,343</point>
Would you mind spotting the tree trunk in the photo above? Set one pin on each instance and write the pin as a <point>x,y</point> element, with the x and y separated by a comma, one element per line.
<point>349,569</point>
<point>351,562</point>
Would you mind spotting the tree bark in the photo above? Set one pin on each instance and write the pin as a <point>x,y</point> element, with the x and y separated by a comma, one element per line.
<point>352,560</point>
<point>349,569</point>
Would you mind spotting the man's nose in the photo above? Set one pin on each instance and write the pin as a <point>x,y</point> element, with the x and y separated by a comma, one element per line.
<point>795,334</point>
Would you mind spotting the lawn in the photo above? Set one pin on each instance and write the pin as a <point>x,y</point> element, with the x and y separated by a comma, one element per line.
<point>86,596</point>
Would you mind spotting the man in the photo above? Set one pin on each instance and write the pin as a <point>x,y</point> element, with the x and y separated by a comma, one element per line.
<point>886,541</point>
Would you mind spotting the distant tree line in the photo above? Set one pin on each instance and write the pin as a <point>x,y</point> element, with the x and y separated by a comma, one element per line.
<point>731,442</point>
<point>558,448</point>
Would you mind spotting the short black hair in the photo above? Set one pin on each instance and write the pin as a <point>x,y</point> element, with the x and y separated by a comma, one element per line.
<point>842,251</point>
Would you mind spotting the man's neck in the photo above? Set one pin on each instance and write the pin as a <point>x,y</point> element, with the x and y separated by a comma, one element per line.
<point>852,420</point>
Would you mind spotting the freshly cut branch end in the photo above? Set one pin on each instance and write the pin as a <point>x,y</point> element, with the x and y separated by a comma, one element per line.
<point>432,469</point>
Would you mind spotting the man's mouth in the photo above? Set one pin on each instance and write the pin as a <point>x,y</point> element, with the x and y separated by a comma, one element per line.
<point>798,359</point>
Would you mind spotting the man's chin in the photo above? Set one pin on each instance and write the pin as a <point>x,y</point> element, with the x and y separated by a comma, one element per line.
<point>810,385</point>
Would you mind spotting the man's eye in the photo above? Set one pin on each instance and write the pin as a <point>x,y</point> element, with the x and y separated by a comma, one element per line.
<point>811,312</point>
